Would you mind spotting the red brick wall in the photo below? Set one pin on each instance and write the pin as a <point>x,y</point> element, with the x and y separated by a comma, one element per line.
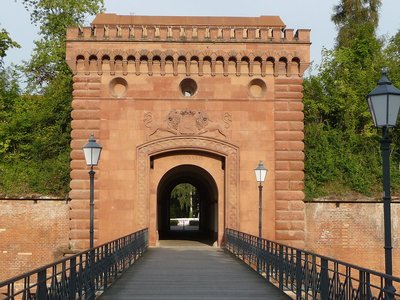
<point>32,234</point>
<point>352,232</point>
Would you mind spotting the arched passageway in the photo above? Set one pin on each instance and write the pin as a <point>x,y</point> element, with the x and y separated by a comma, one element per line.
<point>207,199</point>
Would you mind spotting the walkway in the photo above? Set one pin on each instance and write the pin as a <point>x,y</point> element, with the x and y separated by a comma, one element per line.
<point>190,272</point>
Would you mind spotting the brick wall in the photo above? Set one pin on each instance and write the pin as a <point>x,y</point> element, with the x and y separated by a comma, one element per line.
<point>32,233</point>
<point>352,232</point>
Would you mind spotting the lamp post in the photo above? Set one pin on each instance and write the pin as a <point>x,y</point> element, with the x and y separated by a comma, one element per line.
<point>261,173</point>
<point>384,104</point>
<point>92,152</point>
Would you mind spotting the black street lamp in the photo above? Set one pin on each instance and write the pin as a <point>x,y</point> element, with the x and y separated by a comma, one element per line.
<point>261,173</point>
<point>92,152</point>
<point>384,104</point>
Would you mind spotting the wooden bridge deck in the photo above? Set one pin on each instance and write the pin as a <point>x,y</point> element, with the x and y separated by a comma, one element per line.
<point>191,272</point>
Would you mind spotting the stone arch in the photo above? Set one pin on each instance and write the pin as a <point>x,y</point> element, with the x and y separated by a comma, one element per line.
<point>257,65</point>
<point>157,63</point>
<point>207,62</point>
<point>169,64</point>
<point>295,66</point>
<point>270,65</point>
<point>80,63</point>
<point>282,66</point>
<point>245,65</point>
<point>118,62</point>
<point>194,64</point>
<point>143,63</point>
<point>93,63</point>
<point>207,198</point>
<point>182,64</point>
<point>229,151</point>
<point>131,62</point>
<point>232,61</point>
<point>219,65</point>
<point>105,63</point>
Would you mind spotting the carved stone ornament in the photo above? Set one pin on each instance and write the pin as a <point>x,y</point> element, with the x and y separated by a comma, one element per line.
<point>187,123</point>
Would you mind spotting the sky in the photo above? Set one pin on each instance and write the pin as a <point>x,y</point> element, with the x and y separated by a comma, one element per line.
<point>296,14</point>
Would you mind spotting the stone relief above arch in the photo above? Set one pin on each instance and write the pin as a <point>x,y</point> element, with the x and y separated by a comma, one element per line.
<point>187,123</point>
<point>202,144</point>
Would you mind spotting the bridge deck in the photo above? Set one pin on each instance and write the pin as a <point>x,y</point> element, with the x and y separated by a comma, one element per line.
<point>189,272</point>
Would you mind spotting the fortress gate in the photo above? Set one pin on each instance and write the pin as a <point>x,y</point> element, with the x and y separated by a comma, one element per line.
<point>195,100</point>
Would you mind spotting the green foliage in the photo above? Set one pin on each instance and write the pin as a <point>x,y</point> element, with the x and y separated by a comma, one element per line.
<point>341,144</point>
<point>351,16</point>
<point>34,152</point>
<point>340,162</point>
<point>35,126</point>
<point>6,43</point>
<point>53,18</point>
<point>184,201</point>
<point>392,56</point>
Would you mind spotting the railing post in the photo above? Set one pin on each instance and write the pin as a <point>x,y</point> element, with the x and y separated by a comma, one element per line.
<point>72,278</point>
<point>324,280</point>
<point>299,274</point>
<point>41,292</point>
<point>281,267</point>
<point>362,285</point>
<point>268,260</point>
<point>92,287</point>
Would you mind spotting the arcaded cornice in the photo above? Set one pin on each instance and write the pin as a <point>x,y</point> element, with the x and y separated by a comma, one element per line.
<point>163,62</point>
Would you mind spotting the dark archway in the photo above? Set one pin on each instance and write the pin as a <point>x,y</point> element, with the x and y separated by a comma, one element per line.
<point>208,202</point>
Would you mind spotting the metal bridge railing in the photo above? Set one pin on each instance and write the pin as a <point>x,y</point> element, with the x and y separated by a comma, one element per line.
<point>308,275</point>
<point>79,276</point>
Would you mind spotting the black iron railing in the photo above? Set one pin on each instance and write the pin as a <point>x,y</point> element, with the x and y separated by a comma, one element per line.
<point>79,276</point>
<point>308,275</point>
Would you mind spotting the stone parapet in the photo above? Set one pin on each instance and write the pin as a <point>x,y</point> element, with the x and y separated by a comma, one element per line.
<point>123,45</point>
<point>264,29</point>
<point>189,34</point>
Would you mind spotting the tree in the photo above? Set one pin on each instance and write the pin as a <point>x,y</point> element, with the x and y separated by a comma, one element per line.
<point>341,144</point>
<point>53,18</point>
<point>6,43</point>
<point>351,16</point>
<point>184,201</point>
<point>34,154</point>
<point>392,56</point>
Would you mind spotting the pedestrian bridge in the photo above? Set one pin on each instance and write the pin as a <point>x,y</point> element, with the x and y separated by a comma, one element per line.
<point>245,268</point>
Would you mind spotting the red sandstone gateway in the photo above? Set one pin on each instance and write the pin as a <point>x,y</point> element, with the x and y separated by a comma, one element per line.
<point>195,100</point>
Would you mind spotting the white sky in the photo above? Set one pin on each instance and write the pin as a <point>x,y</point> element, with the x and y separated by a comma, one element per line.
<point>296,14</point>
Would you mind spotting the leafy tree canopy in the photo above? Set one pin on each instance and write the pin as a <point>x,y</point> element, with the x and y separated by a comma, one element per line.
<point>6,43</point>
<point>53,18</point>
<point>184,201</point>
<point>35,125</point>
<point>341,144</point>
<point>352,15</point>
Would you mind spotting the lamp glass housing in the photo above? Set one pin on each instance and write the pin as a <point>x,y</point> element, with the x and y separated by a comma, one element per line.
<point>384,103</point>
<point>92,151</point>
<point>260,172</point>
